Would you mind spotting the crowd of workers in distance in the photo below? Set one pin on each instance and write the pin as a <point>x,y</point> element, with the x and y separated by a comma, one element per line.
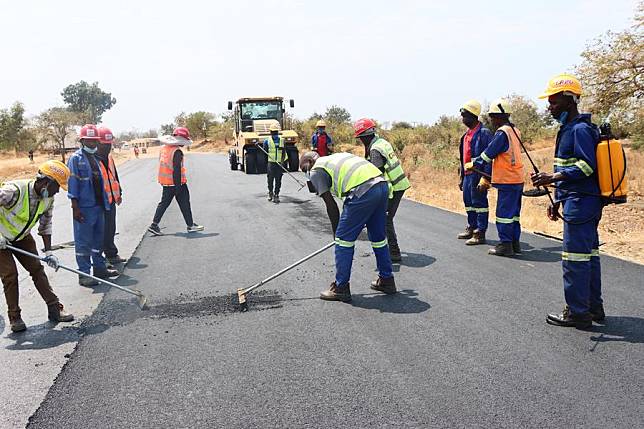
<point>371,189</point>
<point>95,190</point>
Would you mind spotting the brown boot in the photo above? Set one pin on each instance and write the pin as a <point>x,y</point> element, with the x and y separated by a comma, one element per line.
<point>336,293</point>
<point>17,325</point>
<point>466,234</point>
<point>384,285</point>
<point>56,313</point>
<point>502,249</point>
<point>477,238</point>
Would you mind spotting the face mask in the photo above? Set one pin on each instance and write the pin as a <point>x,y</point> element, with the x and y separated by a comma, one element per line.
<point>89,150</point>
<point>308,175</point>
<point>562,118</point>
<point>44,193</point>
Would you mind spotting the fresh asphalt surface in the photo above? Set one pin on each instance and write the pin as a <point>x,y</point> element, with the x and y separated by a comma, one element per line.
<point>464,343</point>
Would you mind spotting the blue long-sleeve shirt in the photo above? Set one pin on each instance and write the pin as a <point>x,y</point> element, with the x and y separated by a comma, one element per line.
<point>480,141</point>
<point>576,158</point>
<point>81,183</point>
<point>314,139</point>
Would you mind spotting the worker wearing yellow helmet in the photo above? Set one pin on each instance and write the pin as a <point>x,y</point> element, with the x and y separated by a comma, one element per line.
<point>23,203</point>
<point>276,150</point>
<point>577,190</point>
<point>321,141</point>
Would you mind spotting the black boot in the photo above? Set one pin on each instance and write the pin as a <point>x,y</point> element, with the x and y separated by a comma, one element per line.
<point>336,293</point>
<point>502,249</point>
<point>16,322</point>
<point>394,254</point>
<point>56,313</point>
<point>469,231</point>
<point>383,285</point>
<point>106,274</point>
<point>567,319</point>
<point>516,246</point>
<point>598,313</point>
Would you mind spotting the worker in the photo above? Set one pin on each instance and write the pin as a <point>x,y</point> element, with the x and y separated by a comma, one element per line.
<point>321,141</point>
<point>274,146</point>
<point>89,202</point>
<point>365,192</point>
<point>136,151</point>
<point>575,176</point>
<point>473,184</point>
<point>23,203</point>
<point>380,153</point>
<point>504,153</point>
<point>172,177</point>
<point>114,193</point>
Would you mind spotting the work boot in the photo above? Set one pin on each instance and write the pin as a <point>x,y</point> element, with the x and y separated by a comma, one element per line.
<point>469,231</point>
<point>478,237</point>
<point>394,254</point>
<point>598,313</point>
<point>516,247</point>
<point>384,285</point>
<point>270,196</point>
<point>17,325</point>
<point>195,228</point>
<point>566,319</point>
<point>336,293</point>
<point>276,199</point>
<point>86,281</point>
<point>502,249</point>
<point>116,260</point>
<point>106,274</point>
<point>56,313</point>
<point>154,229</point>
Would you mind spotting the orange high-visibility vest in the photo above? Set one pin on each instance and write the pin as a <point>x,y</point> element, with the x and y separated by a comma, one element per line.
<point>111,185</point>
<point>166,167</point>
<point>507,167</point>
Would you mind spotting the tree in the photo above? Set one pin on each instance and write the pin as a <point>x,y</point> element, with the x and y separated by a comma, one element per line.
<point>337,115</point>
<point>89,100</point>
<point>197,123</point>
<point>401,126</point>
<point>527,118</point>
<point>56,124</point>
<point>12,127</point>
<point>167,129</point>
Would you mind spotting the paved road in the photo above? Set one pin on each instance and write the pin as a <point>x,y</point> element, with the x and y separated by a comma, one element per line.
<point>452,349</point>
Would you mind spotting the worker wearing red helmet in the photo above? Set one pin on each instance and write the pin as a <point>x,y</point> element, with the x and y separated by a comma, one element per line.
<point>381,154</point>
<point>172,177</point>
<point>89,203</point>
<point>114,192</point>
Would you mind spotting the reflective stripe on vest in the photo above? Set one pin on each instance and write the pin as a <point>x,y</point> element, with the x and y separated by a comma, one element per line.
<point>166,167</point>
<point>347,171</point>
<point>276,152</point>
<point>393,169</point>
<point>507,167</point>
<point>13,220</point>
<point>111,186</point>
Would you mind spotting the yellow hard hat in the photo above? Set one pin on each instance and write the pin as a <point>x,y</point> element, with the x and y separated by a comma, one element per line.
<point>55,170</point>
<point>500,106</point>
<point>472,106</point>
<point>563,82</point>
<point>320,123</point>
<point>274,127</point>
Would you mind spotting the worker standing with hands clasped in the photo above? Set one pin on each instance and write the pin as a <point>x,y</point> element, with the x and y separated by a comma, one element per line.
<point>381,154</point>
<point>23,203</point>
<point>365,192</point>
<point>88,193</point>
<point>575,175</point>
<point>504,153</point>
<point>172,177</point>
<point>321,140</point>
<point>473,184</point>
<point>274,147</point>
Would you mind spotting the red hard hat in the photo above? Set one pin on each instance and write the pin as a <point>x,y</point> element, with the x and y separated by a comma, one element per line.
<point>364,126</point>
<point>89,132</point>
<point>181,132</point>
<point>105,135</point>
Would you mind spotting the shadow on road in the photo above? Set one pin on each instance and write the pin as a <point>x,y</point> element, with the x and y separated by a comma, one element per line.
<point>404,302</point>
<point>545,254</point>
<point>193,235</point>
<point>620,328</point>
<point>134,263</point>
<point>416,260</point>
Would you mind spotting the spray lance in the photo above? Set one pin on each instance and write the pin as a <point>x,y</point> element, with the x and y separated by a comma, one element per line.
<point>258,146</point>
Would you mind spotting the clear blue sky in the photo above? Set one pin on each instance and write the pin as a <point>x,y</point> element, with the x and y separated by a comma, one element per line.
<point>390,60</point>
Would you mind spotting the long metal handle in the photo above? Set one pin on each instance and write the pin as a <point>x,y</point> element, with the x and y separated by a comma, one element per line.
<point>80,273</point>
<point>304,259</point>
<point>283,168</point>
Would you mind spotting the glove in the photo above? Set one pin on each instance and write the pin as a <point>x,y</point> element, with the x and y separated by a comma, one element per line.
<point>469,166</point>
<point>483,185</point>
<point>52,260</point>
<point>460,185</point>
<point>3,242</point>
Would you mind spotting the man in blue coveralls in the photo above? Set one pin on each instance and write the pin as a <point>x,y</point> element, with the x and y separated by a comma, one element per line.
<point>575,176</point>
<point>86,189</point>
<point>365,192</point>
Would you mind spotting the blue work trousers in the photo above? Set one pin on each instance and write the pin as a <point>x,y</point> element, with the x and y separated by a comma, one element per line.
<point>369,210</point>
<point>88,238</point>
<point>476,205</point>
<point>508,212</point>
<point>580,256</point>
